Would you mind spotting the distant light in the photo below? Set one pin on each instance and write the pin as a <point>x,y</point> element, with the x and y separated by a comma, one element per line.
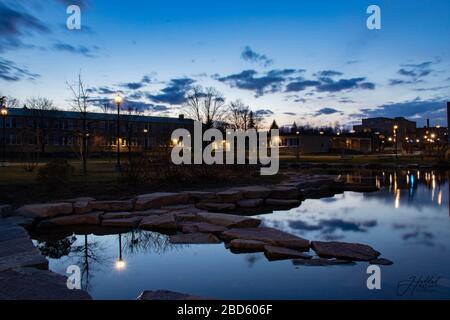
<point>121,264</point>
<point>297,132</point>
<point>433,135</point>
<point>118,99</point>
<point>395,127</point>
<point>438,126</point>
<point>145,130</point>
<point>4,111</point>
<point>418,140</point>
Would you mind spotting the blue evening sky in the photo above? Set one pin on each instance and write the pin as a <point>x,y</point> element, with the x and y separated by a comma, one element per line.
<point>313,62</point>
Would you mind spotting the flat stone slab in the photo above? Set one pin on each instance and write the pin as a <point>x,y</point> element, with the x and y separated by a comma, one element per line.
<point>381,262</point>
<point>125,222</point>
<point>35,284</point>
<point>279,253</point>
<point>42,211</point>
<point>145,213</point>
<point>115,205</point>
<point>75,219</point>
<point>229,196</point>
<point>160,199</point>
<point>203,227</point>
<point>319,262</point>
<point>284,192</point>
<point>179,207</point>
<point>194,238</point>
<point>246,245</point>
<point>163,222</point>
<point>254,192</point>
<point>167,295</point>
<point>81,207</point>
<point>201,195</point>
<point>250,203</point>
<point>269,236</point>
<point>215,206</point>
<point>229,220</point>
<point>282,202</point>
<point>344,250</point>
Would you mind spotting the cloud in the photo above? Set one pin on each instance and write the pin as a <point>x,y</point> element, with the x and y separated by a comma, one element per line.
<point>328,226</point>
<point>290,113</point>
<point>132,85</point>
<point>82,50</point>
<point>329,73</point>
<point>418,109</point>
<point>330,85</point>
<point>413,73</point>
<point>174,93</point>
<point>327,111</point>
<point>268,82</point>
<point>249,55</point>
<point>301,85</point>
<point>9,71</point>
<point>102,90</point>
<point>263,113</point>
<point>16,24</point>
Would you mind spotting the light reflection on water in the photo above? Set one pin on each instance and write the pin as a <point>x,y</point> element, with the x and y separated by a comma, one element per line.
<point>408,221</point>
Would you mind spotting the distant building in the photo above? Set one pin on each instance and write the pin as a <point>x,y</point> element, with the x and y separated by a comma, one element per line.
<point>61,131</point>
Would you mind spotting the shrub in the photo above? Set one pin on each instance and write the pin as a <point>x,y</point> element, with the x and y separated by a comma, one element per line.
<point>55,174</point>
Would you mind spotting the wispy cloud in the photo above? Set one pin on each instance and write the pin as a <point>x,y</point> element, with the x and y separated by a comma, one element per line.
<point>248,54</point>
<point>9,71</point>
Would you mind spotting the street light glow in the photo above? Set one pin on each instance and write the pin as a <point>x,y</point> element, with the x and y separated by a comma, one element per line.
<point>121,264</point>
<point>118,99</point>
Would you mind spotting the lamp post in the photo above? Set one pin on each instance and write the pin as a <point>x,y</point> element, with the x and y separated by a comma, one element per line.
<point>395,141</point>
<point>118,100</point>
<point>120,263</point>
<point>4,114</point>
<point>298,145</point>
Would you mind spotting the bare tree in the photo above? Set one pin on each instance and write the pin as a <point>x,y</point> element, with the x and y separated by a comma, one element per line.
<point>205,105</point>
<point>80,103</point>
<point>39,107</point>
<point>239,115</point>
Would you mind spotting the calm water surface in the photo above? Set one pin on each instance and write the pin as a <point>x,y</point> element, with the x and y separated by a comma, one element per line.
<point>408,221</point>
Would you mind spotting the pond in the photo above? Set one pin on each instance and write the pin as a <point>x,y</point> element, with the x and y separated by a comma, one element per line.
<point>408,221</point>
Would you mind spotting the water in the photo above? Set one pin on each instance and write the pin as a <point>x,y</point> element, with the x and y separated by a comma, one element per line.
<point>408,221</point>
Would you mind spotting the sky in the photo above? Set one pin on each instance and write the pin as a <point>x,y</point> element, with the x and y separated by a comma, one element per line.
<point>310,62</point>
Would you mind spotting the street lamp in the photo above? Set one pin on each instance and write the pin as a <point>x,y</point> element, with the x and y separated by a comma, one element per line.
<point>118,100</point>
<point>395,141</point>
<point>298,145</point>
<point>4,114</point>
<point>120,263</point>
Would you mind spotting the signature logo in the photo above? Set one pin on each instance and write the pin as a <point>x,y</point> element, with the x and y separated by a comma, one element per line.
<point>417,284</point>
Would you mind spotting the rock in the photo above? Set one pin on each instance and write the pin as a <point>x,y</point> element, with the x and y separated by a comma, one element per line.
<point>230,196</point>
<point>194,238</point>
<point>132,222</point>
<point>250,203</point>
<point>229,220</point>
<point>159,199</point>
<point>215,206</point>
<point>200,195</point>
<point>114,205</point>
<point>279,253</point>
<point>5,209</point>
<point>187,217</point>
<point>283,192</point>
<point>254,192</point>
<point>319,262</point>
<point>81,207</point>
<point>283,203</point>
<point>319,192</point>
<point>145,213</point>
<point>202,227</point>
<point>163,222</point>
<point>76,219</point>
<point>269,236</point>
<point>179,207</point>
<point>246,245</point>
<point>381,262</point>
<point>47,210</point>
<point>17,249</point>
<point>79,199</point>
<point>34,284</point>
<point>344,250</point>
<point>167,295</point>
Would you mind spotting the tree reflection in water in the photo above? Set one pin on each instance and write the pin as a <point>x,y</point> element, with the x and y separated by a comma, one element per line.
<point>137,241</point>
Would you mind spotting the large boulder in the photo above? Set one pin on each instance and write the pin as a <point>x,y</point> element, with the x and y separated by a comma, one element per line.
<point>282,203</point>
<point>81,207</point>
<point>35,284</point>
<point>344,250</point>
<point>200,195</point>
<point>254,192</point>
<point>229,220</point>
<point>229,196</point>
<point>194,238</point>
<point>47,210</point>
<point>203,227</point>
<point>279,253</point>
<point>159,199</point>
<point>269,236</point>
<point>242,245</point>
<point>75,219</point>
<point>132,222</point>
<point>163,222</point>
<point>250,203</point>
<point>284,192</point>
<point>216,206</point>
<point>167,295</point>
<point>113,205</point>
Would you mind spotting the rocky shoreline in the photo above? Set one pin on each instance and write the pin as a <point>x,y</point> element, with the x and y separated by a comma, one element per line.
<point>190,217</point>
